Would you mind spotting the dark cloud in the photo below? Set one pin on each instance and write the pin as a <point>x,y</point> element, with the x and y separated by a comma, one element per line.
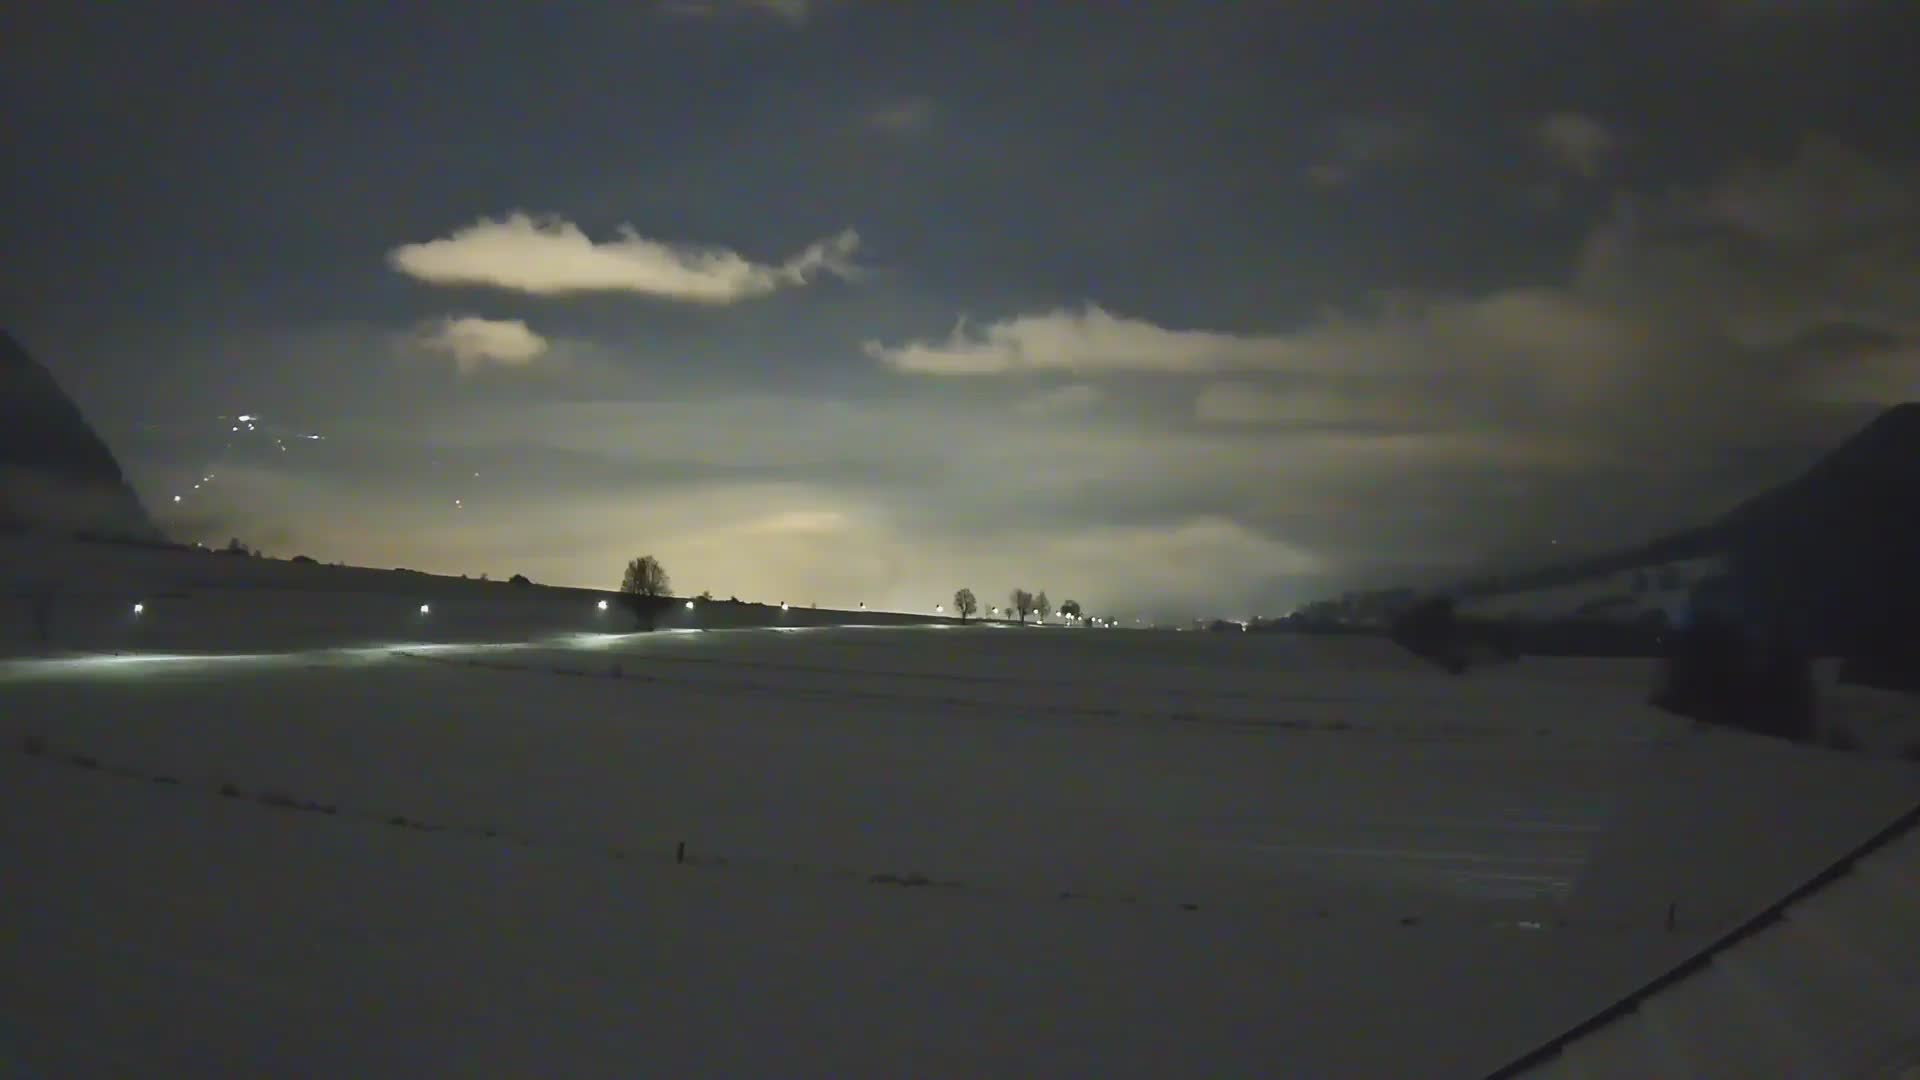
<point>791,12</point>
<point>1180,309</point>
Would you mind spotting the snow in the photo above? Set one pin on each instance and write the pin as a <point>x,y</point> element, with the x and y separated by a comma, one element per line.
<point>1144,853</point>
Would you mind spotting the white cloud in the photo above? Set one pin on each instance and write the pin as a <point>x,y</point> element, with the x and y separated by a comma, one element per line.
<point>904,117</point>
<point>1089,340</point>
<point>1577,142</point>
<point>1544,341</point>
<point>791,12</point>
<point>550,256</point>
<point>475,343</point>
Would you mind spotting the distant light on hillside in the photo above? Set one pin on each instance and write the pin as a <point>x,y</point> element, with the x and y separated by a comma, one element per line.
<point>424,609</point>
<point>138,608</point>
<point>602,605</point>
<point>689,605</point>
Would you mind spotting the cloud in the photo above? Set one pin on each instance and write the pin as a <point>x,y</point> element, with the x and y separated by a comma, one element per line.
<point>1542,341</point>
<point>907,116</point>
<point>1773,307</point>
<point>1826,192</point>
<point>1243,403</point>
<point>1358,143</point>
<point>476,343</point>
<point>1577,142</point>
<point>791,12</point>
<point>1089,340</point>
<point>1229,466</point>
<point>1751,10</point>
<point>549,257</point>
<point>1060,401</point>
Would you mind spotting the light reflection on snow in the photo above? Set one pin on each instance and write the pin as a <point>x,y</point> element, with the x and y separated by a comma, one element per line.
<point>122,663</point>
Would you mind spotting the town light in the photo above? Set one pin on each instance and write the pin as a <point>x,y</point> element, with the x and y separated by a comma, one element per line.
<point>602,605</point>
<point>138,608</point>
<point>689,605</point>
<point>424,609</point>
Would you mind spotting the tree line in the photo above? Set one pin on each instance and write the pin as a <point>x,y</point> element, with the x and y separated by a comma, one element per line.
<point>646,585</point>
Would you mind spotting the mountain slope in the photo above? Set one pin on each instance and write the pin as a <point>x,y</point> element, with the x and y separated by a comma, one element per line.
<point>56,474</point>
<point>1836,551</point>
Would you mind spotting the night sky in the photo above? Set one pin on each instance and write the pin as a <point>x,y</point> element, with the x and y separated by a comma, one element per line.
<point>1202,308</point>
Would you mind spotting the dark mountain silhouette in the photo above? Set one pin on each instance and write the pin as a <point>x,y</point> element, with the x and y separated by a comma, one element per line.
<point>55,472</point>
<point>1835,552</point>
<point>1832,557</point>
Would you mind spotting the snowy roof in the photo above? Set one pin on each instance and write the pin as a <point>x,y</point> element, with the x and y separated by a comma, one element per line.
<point>1824,983</point>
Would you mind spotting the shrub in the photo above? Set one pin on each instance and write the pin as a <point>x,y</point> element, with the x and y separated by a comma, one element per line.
<point>518,579</point>
<point>306,559</point>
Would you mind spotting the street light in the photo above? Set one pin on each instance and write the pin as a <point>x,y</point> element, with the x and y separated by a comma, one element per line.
<point>138,608</point>
<point>689,605</point>
<point>425,608</point>
<point>602,605</point>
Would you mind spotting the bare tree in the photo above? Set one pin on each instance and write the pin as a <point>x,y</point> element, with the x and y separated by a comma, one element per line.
<point>646,577</point>
<point>644,589</point>
<point>1021,601</point>
<point>965,604</point>
<point>1041,607</point>
<point>1070,609</point>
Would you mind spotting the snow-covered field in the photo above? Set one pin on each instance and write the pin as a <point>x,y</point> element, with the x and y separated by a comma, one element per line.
<point>907,851</point>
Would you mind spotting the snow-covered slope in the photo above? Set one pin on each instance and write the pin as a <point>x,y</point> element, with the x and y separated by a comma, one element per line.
<point>910,850</point>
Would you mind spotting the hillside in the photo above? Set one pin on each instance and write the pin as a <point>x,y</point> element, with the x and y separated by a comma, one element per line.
<point>1837,546</point>
<point>1832,550</point>
<point>56,473</point>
